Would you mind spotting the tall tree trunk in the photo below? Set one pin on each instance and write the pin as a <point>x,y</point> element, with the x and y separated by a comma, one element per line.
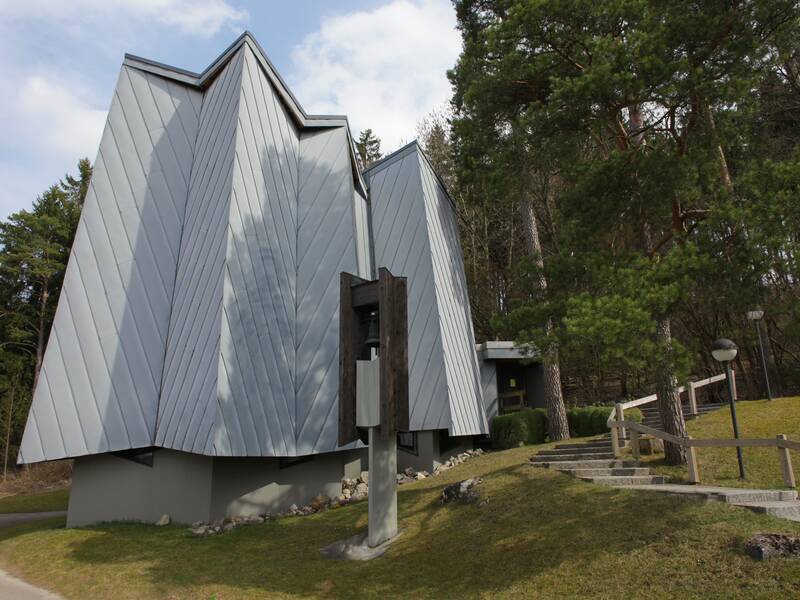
<point>41,341</point>
<point>8,426</point>
<point>669,399</point>
<point>558,428</point>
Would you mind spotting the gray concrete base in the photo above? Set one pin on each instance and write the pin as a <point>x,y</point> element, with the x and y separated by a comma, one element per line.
<point>189,487</point>
<point>357,548</point>
<point>429,453</point>
<point>382,488</point>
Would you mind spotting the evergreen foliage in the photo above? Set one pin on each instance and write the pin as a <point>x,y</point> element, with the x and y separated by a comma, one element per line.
<point>368,147</point>
<point>34,250</point>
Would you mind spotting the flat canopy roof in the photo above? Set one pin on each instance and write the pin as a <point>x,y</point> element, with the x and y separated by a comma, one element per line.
<point>504,350</point>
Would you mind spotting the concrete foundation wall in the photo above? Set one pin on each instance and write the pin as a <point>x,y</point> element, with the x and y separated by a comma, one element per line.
<point>190,487</point>
<point>109,488</point>
<point>248,486</point>
<point>429,455</point>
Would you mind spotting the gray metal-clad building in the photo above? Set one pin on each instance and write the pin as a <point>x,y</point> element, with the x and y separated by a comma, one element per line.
<point>192,367</point>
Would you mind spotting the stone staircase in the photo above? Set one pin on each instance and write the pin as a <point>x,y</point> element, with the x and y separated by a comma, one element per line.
<point>653,419</point>
<point>594,461</point>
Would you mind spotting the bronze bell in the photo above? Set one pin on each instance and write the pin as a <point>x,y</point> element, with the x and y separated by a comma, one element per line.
<point>373,331</point>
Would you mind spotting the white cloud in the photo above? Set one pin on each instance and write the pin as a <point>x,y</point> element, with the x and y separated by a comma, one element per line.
<point>197,17</point>
<point>47,124</point>
<point>385,68</point>
<point>54,117</point>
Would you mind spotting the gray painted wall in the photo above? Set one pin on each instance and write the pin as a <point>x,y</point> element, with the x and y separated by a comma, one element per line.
<point>110,488</point>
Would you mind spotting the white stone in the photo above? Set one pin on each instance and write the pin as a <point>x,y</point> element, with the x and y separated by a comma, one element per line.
<point>164,520</point>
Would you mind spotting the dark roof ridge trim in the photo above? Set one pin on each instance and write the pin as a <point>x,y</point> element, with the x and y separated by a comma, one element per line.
<point>203,79</point>
<point>400,153</point>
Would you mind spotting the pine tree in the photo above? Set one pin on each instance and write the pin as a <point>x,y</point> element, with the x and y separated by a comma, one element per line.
<point>627,103</point>
<point>368,147</point>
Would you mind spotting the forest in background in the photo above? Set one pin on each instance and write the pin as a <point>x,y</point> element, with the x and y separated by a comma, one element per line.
<point>627,180</point>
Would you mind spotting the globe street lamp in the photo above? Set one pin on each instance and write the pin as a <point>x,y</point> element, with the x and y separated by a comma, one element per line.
<point>755,316</point>
<point>724,351</point>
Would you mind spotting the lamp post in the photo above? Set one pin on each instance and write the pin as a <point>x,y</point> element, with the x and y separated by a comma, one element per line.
<point>755,316</point>
<point>724,351</point>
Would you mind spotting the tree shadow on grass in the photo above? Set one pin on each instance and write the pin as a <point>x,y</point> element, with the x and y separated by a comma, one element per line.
<point>533,523</point>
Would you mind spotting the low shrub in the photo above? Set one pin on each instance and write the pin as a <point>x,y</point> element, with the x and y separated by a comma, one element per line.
<point>528,426</point>
<point>536,419</point>
<point>586,421</point>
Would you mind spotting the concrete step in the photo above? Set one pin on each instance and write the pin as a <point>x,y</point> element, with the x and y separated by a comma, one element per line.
<point>625,480</point>
<point>603,443</point>
<point>786,509</point>
<point>567,451</point>
<point>584,464</point>
<point>572,457</point>
<point>607,471</point>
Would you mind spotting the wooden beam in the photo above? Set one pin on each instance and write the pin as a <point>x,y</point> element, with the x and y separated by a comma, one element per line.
<point>348,352</point>
<point>392,308</point>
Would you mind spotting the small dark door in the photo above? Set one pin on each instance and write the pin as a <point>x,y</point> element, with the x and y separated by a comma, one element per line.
<point>511,388</point>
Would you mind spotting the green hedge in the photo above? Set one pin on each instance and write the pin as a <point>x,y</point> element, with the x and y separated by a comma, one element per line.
<point>586,421</point>
<point>528,426</point>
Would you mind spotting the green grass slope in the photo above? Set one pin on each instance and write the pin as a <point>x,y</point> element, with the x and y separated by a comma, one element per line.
<point>757,419</point>
<point>35,502</point>
<point>541,535</point>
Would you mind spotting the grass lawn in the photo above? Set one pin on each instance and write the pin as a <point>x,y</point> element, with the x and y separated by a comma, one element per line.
<point>541,535</point>
<point>757,419</point>
<point>36,502</point>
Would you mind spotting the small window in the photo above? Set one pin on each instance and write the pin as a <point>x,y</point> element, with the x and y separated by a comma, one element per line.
<point>407,442</point>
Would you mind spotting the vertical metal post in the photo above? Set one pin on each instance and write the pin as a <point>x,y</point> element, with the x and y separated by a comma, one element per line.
<point>757,323</point>
<point>732,401</point>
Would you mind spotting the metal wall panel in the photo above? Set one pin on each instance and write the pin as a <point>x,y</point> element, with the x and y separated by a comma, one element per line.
<point>489,388</point>
<point>415,235</point>
<point>325,247</point>
<point>455,318</point>
<point>257,374</point>
<point>101,375</point>
<point>402,244</point>
<point>187,418</point>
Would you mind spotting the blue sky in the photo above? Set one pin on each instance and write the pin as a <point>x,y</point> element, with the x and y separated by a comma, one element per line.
<point>381,62</point>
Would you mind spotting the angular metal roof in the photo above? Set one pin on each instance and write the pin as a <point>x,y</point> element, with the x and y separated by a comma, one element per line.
<point>199,310</point>
<point>415,235</point>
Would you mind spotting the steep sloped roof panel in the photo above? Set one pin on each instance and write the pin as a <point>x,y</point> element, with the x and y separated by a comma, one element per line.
<point>455,319</point>
<point>101,375</point>
<point>187,416</point>
<point>402,244</point>
<point>415,235</point>
<point>326,246</point>
<point>258,340</point>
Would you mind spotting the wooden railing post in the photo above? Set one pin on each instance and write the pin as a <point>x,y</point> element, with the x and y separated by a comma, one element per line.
<point>620,412</point>
<point>691,461</point>
<point>692,398</point>
<point>786,464</point>
<point>635,443</point>
<point>615,440</point>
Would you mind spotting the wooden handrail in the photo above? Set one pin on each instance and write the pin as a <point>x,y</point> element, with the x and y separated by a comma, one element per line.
<point>780,442</point>
<point>690,388</point>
